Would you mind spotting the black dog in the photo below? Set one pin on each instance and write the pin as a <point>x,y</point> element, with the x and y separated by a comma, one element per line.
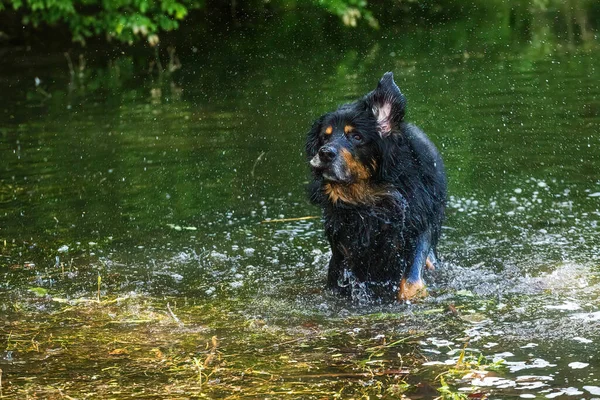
<point>382,186</point>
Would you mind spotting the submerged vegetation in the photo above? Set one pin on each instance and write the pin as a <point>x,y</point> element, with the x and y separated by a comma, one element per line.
<point>206,350</point>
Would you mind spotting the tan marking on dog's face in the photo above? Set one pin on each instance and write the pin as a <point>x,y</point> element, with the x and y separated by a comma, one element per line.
<point>329,130</point>
<point>360,191</point>
<point>357,169</point>
<point>348,129</point>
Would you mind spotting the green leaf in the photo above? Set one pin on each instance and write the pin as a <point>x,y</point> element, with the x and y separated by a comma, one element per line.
<point>465,293</point>
<point>38,291</point>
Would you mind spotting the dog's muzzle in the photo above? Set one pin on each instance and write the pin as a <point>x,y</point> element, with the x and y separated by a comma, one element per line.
<point>330,165</point>
<point>324,157</point>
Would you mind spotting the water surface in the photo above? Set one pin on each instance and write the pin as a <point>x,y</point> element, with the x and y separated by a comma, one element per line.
<point>164,186</point>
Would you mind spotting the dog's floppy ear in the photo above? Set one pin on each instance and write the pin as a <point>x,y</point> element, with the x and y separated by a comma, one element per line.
<point>387,104</point>
<point>312,140</point>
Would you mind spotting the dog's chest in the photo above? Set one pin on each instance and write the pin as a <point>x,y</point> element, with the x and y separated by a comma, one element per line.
<point>364,232</point>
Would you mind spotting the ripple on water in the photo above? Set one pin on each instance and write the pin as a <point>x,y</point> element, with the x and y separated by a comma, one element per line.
<point>595,390</point>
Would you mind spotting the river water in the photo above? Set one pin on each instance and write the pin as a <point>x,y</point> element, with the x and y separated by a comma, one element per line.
<point>139,256</point>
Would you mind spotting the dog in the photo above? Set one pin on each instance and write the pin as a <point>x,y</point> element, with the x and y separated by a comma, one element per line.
<point>382,186</point>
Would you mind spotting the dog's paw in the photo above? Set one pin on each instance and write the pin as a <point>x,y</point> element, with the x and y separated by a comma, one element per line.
<point>429,264</point>
<point>411,291</point>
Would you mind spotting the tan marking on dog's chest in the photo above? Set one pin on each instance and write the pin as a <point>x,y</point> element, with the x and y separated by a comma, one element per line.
<point>355,193</point>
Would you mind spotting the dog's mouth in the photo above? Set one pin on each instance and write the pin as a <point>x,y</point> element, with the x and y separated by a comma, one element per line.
<point>317,164</point>
<point>333,172</point>
<point>333,175</point>
<point>330,177</point>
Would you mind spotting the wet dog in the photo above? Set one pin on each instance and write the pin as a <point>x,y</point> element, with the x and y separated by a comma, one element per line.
<point>382,186</point>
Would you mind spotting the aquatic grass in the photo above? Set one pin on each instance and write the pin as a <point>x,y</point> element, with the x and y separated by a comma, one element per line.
<point>201,366</point>
<point>214,354</point>
<point>447,393</point>
<point>212,350</point>
<point>468,366</point>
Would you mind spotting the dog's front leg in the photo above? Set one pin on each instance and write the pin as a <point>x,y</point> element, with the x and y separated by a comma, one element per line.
<point>412,285</point>
<point>335,271</point>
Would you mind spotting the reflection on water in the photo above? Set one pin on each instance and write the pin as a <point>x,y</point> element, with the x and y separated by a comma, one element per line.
<point>160,186</point>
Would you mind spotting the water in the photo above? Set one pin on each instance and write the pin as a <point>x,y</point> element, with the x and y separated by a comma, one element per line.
<point>164,187</point>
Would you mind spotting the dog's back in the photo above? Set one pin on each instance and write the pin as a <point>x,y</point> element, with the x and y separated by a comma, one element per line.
<point>421,179</point>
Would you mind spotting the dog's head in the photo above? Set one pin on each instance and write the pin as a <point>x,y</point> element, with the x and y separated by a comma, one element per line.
<point>345,147</point>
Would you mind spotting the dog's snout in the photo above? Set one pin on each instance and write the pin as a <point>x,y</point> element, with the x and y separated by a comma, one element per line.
<point>327,153</point>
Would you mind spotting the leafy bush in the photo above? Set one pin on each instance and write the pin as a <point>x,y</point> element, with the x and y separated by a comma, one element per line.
<point>124,20</point>
<point>350,11</point>
<point>134,20</point>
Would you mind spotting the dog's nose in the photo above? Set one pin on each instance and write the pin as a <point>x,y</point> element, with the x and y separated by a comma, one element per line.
<point>327,153</point>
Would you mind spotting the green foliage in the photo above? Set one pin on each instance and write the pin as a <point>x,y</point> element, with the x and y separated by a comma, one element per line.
<point>124,20</point>
<point>447,393</point>
<point>38,291</point>
<point>467,367</point>
<point>350,11</point>
<point>134,20</point>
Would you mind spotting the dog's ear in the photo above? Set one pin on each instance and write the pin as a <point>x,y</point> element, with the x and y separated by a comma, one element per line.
<point>387,104</point>
<point>313,142</point>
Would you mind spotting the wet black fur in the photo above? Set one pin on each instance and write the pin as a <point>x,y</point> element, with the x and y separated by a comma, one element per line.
<point>377,243</point>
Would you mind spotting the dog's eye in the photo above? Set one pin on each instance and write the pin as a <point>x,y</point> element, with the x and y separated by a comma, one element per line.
<point>358,137</point>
